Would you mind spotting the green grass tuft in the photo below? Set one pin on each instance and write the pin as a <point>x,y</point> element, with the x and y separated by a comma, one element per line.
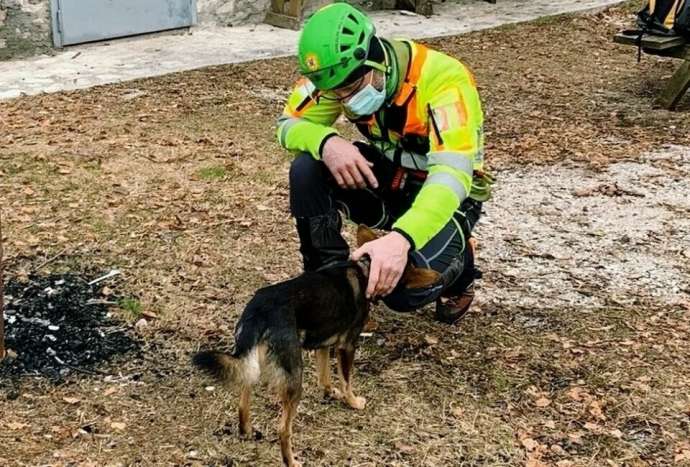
<point>132,307</point>
<point>211,174</point>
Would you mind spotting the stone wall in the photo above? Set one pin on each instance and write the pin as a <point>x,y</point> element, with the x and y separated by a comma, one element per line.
<point>24,28</point>
<point>236,12</point>
<point>231,12</point>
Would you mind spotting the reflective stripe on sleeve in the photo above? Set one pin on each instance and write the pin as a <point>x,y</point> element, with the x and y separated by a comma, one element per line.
<point>285,124</point>
<point>457,160</point>
<point>449,181</point>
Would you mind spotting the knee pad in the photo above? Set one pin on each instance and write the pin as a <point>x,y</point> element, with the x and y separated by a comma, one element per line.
<point>466,277</point>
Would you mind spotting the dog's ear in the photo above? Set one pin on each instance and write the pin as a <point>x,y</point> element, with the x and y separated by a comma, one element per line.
<point>365,235</point>
<point>417,278</point>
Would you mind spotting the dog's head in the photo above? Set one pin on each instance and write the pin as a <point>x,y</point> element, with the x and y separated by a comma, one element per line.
<point>412,278</point>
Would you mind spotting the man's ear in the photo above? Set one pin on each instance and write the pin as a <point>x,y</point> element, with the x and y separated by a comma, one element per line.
<point>365,235</point>
<point>417,278</point>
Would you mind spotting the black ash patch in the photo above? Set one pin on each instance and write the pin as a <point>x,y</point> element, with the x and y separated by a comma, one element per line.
<point>57,325</point>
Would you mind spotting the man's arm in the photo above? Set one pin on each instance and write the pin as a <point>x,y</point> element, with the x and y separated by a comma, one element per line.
<point>305,125</point>
<point>456,144</point>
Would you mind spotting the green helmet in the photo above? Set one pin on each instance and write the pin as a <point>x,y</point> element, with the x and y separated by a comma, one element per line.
<point>334,43</point>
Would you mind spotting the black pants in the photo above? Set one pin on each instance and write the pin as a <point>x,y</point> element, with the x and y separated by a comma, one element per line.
<point>314,192</point>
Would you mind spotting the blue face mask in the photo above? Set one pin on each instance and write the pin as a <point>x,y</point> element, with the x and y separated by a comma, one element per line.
<point>367,101</point>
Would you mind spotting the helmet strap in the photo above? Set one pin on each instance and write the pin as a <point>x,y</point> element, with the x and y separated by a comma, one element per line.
<point>376,66</point>
<point>392,71</point>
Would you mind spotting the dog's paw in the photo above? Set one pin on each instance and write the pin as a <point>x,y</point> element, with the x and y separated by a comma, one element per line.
<point>333,393</point>
<point>357,403</point>
<point>246,432</point>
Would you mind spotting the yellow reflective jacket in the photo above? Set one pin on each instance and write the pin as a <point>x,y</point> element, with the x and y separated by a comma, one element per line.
<point>432,121</point>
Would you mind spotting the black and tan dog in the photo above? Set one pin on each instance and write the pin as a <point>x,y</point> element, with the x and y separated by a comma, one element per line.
<point>314,311</point>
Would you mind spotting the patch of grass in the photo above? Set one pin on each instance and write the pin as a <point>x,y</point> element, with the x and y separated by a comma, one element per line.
<point>132,307</point>
<point>99,226</point>
<point>13,169</point>
<point>553,19</point>
<point>210,174</point>
<point>502,385</point>
<point>267,177</point>
<point>23,164</point>
<point>541,21</point>
<point>507,27</point>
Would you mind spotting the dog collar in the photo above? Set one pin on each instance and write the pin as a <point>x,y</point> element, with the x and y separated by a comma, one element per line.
<point>336,264</point>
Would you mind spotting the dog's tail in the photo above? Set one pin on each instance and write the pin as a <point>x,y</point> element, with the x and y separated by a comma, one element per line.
<point>243,365</point>
<point>220,365</point>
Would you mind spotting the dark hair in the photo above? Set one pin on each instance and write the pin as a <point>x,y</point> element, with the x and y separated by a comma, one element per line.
<point>376,54</point>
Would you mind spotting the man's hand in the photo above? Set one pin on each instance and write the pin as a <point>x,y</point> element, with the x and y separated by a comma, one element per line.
<point>347,165</point>
<point>388,260</point>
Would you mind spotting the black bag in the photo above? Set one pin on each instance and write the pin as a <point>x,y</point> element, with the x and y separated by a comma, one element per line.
<point>659,16</point>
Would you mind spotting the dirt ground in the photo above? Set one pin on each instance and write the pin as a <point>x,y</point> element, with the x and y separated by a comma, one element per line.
<point>575,354</point>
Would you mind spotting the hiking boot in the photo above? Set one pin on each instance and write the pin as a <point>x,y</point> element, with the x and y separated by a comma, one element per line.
<point>450,310</point>
<point>320,240</point>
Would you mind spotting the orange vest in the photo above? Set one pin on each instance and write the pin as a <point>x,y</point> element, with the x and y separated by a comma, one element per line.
<point>401,117</point>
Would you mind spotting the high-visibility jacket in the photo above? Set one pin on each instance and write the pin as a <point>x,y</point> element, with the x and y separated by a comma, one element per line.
<point>432,121</point>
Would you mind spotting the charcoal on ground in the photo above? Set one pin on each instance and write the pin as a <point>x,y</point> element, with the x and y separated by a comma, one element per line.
<point>56,325</point>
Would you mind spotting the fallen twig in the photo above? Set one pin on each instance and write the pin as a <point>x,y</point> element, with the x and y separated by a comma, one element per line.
<point>95,301</point>
<point>49,260</point>
<point>85,371</point>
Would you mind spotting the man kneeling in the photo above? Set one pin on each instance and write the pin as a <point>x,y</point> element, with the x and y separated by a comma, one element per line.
<point>419,175</point>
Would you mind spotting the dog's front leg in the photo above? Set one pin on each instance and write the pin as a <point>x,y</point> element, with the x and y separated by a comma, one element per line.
<point>346,359</point>
<point>323,365</point>
<point>323,372</point>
